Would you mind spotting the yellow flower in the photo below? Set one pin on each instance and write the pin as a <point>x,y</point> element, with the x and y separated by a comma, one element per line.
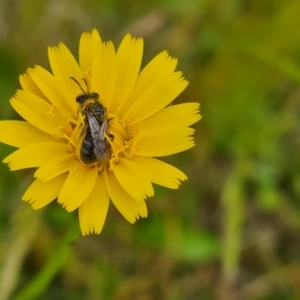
<point>132,122</point>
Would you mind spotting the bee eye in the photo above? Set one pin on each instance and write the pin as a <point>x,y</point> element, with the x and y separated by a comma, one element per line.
<point>80,99</point>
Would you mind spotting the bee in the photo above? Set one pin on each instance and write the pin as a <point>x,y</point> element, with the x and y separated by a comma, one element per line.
<point>94,146</point>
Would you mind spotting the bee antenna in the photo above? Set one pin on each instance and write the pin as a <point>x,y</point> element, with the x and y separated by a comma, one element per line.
<point>79,84</point>
<point>87,88</point>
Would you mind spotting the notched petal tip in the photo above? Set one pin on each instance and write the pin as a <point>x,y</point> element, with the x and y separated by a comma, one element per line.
<point>9,162</point>
<point>96,35</point>
<point>131,40</point>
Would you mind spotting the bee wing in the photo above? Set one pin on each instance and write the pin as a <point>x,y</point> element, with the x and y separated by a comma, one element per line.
<point>83,131</point>
<point>95,127</point>
<point>98,131</point>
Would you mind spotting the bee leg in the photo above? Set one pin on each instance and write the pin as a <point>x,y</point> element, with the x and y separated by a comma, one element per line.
<point>111,136</point>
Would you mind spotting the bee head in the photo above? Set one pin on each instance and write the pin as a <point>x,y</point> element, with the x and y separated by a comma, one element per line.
<point>86,94</point>
<point>82,98</point>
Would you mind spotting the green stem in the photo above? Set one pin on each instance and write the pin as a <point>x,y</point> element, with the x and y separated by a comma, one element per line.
<point>58,259</point>
<point>233,218</point>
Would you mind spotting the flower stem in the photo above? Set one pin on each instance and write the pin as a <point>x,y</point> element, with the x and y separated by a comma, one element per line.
<point>233,203</point>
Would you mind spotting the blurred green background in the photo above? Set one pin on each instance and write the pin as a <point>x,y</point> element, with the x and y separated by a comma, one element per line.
<point>232,231</point>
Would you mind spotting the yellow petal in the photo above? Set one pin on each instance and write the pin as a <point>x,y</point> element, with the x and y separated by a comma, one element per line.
<point>40,194</point>
<point>56,166</point>
<point>36,111</point>
<point>96,35</point>
<point>29,85</point>
<point>180,115</point>
<point>166,141</point>
<point>157,96</point>
<point>77,187</point>
<point>129,57</point>
<point>20,134</point>
<point>93,211</point>
<point>133,179</point>
<point>160,172</point>
<point>64,66</point>
<point>87,45</point>
<point>160,67</point>
<point>56,92</point>
<point>35,155</point>
<point>127,206</point>
<point>104,73</point>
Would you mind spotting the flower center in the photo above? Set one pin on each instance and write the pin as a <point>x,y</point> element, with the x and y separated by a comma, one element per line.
<point>119,140</point>
<point>125,139</point>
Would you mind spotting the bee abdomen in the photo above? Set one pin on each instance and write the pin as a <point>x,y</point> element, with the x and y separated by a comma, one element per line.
<point>87,154</point>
